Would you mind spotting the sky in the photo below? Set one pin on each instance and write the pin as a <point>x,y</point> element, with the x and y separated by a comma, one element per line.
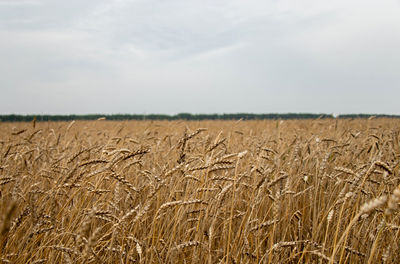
<point>209,56</point>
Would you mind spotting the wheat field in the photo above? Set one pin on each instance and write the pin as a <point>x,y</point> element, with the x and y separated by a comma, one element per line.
<point>295,191</point>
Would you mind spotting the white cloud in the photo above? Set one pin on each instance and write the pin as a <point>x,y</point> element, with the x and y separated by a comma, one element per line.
<point>186,55</point>
<point>14,3</point>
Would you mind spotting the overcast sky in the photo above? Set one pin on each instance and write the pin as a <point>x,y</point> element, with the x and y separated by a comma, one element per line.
<point>199,56</point>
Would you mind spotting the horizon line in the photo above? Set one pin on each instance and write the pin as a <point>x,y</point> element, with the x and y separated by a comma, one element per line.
<point>184,116</point>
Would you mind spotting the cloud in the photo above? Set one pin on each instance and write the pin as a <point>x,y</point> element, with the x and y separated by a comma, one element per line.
<point>199,56</point>
<point>13,3</point>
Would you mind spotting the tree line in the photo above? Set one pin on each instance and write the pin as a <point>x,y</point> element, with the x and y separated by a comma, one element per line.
<point>181,116</point>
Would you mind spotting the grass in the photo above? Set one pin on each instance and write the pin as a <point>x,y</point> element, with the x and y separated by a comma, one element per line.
<point>310,191</point>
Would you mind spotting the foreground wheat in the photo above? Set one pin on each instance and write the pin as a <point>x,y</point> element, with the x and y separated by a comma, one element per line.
<point>320,191</point>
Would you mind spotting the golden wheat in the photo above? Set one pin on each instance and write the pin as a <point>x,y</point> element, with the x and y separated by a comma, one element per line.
<point>309,191</point>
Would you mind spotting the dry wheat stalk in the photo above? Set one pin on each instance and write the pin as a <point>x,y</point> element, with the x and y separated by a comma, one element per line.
<point>90,193</point>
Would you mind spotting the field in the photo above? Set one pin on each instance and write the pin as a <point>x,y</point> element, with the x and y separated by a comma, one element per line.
<point>310,191</point>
